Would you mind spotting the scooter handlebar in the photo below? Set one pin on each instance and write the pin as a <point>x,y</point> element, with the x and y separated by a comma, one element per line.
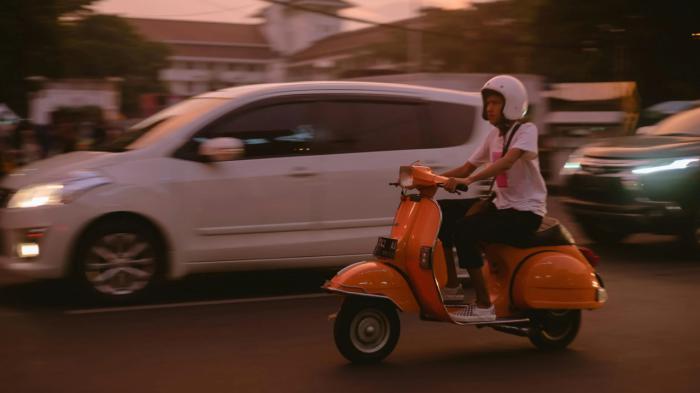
<point>460,187</point>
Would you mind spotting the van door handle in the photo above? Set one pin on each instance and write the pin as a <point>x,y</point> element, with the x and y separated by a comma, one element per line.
<point>301,172</point>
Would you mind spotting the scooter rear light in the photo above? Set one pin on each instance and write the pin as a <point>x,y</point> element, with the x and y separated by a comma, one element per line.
<point>591,256</point>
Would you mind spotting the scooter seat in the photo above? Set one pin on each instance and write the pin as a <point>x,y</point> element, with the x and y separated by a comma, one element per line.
<point>550,233</point>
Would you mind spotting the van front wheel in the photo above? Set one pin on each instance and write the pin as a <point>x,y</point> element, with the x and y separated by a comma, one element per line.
<point>119,261</point>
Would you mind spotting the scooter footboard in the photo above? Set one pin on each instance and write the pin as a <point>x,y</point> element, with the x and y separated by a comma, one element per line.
<point>556,281</point>
<point>374,279</point>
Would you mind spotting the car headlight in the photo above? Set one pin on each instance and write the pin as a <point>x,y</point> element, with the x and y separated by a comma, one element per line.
<point>57,193</point>
<point>572,164</point>
<point>668,166</point>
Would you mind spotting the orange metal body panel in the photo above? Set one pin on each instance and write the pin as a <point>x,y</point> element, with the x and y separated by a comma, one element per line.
<point>416,226</point>
<point>556,281</point>
<point>549,277</point>
<point>374,278</point>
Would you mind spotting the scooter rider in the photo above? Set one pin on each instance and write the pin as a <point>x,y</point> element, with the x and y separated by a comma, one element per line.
<point>520,191</point>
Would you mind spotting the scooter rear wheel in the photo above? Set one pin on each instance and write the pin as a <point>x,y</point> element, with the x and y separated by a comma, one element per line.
<point>553,330</point>
<point>366,330</point>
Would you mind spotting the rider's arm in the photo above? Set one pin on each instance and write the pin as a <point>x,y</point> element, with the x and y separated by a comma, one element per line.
<point>462,171</point>
<point>496,168</point>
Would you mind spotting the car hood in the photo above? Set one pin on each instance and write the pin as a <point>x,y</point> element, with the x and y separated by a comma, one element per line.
<point>60,167</point>
<point>644,147</point>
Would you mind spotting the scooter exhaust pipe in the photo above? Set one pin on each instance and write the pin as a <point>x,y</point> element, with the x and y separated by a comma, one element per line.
<point>515,330</point>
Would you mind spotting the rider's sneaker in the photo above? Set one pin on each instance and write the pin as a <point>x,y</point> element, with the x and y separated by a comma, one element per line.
<point>452,294</point>
<point>472,313</point>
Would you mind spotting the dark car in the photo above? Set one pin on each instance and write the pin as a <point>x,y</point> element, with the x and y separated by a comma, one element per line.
<point>643,183</point>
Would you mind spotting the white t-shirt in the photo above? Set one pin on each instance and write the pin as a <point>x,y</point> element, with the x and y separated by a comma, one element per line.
<point>522,186</point>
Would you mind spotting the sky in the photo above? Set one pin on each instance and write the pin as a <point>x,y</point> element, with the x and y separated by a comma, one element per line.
<point>239,11</point>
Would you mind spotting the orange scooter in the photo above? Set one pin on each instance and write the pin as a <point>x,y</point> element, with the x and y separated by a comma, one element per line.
<point>538,287</point>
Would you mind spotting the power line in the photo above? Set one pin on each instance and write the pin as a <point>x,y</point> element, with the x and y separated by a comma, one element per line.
<point>359,20</point>
<point>413,29</point>
<point>218,10</point>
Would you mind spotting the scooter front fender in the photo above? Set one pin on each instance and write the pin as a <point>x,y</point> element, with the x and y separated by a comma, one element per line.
<point>374,279</point>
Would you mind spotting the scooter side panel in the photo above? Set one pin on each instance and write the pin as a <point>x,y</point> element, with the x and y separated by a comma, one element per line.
<point>374,278</point>
<point>555,281</point>
<point>423,279</point>
<point>439,265</point>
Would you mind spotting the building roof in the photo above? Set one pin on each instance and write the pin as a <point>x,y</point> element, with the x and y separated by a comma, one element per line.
<point>342,43</point>
<point>351,41</point>
<point>222,51</point>
<point>336,4</point>
<point>166,30</point>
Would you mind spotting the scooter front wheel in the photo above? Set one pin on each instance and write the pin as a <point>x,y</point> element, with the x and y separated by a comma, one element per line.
<point>552,330</point>
<point>366,329</point>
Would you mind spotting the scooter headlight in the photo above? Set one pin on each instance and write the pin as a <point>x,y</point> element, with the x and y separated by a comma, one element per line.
<point>405,177</point>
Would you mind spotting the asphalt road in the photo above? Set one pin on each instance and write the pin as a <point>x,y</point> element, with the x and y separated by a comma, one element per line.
<point>269,332</point>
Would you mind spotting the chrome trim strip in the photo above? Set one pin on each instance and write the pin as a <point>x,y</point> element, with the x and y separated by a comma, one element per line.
<point>364,294</point>
<point>616,163</point>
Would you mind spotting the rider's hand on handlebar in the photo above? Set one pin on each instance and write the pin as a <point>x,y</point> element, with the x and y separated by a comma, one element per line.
<point>452,183</point>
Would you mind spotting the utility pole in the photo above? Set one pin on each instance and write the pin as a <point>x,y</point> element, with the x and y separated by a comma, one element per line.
<point>415,42</point>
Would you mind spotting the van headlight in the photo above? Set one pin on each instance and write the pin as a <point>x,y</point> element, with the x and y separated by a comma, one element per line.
<point>57,193</point>
<point>668,165</point>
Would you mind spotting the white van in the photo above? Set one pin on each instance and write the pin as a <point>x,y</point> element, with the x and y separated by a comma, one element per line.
<point>255,177</point>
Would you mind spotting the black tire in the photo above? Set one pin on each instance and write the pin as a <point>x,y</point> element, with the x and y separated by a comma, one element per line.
<point>127,278</point>
<point>553,330</point>
<point>366,330</point>
<point>690,234</point>
<point>601,234</point>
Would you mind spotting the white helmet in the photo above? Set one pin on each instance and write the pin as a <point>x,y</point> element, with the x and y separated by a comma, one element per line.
<point>513,92</point>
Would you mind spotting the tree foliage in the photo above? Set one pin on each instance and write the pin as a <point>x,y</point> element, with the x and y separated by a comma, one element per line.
<point>62,39</point>
<point>30,43</point>
<point>647,41</point>
<point>100,46</point>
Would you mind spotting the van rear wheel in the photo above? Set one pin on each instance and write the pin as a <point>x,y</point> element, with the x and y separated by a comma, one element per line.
<point>552,330</point>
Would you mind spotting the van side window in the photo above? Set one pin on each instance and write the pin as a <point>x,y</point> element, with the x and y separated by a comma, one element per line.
<point>364,126</point>
<point>276,130</point>
<point>451,124</point>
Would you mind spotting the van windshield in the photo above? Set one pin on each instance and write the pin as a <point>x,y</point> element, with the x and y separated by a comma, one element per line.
<point>161,125</point>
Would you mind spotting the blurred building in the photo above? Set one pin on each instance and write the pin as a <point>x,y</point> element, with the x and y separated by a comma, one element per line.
<point>52,95</point>
<point>289,44</point>
<point>209,56</point>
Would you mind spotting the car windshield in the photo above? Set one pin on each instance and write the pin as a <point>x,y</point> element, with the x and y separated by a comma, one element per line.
<point>161,124</point>
<point>684,123</point>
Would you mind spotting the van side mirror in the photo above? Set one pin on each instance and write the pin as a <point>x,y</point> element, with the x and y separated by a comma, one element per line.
<point>222,149</point>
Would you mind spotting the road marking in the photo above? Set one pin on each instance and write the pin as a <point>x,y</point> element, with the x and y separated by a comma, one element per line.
<point>195,304</point>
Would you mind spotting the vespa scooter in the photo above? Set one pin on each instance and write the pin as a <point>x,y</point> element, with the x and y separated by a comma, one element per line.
<point>538,286</point>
